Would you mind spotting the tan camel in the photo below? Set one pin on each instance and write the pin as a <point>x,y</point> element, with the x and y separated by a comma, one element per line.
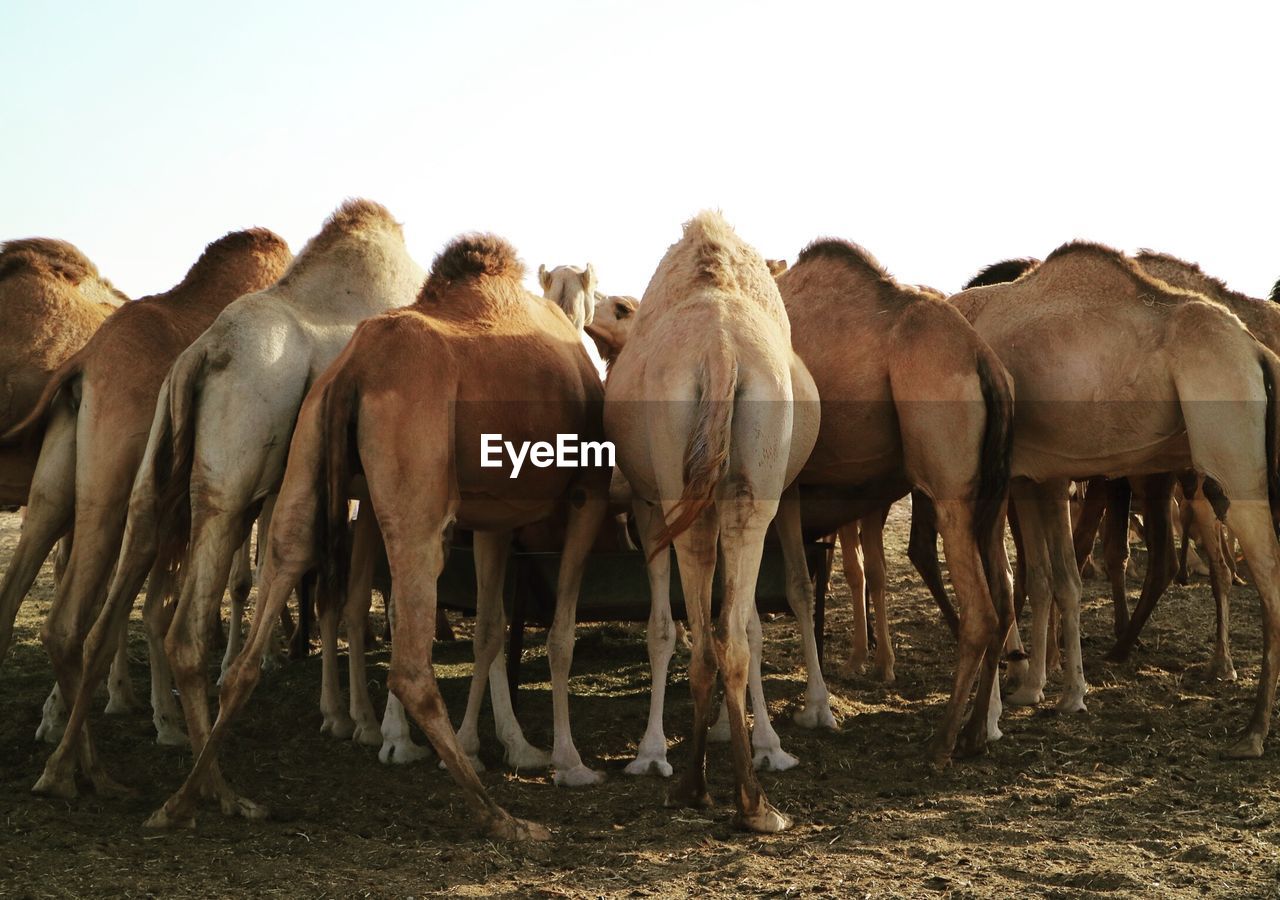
<point>924,404</point>
<point>572,289</point>
<point>475,355</point>
<point>713,415</point>
<point>99,404</point>
<point>53,301</point>
<point>1117,373</point>
<point>211,447</point>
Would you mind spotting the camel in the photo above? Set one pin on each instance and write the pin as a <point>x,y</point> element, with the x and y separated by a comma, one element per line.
<point>572,289</point>
<point>1274,296</point>
<point>211,448</point>
<point>1118,373</point>
<point>98,405</point>
<point>713,416</point>
<point>424,384</point>
<point>53,299</point>
<point>566,287</point>
<point>924,405</point>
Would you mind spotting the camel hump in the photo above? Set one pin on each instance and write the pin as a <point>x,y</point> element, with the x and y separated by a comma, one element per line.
<point>848,253</point>
<point>473,255</point>
<point>46,256</point>
<point>1002,272</point>
<point>719,254</point>
<point>261,244</point>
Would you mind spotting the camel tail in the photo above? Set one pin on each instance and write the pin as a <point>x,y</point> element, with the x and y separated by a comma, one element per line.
<point>706,457</point>
<point>1270,377</point>
<point>338,409</point>
<point>30,428</point>
<point>175,417</point>
<point>997,452</point>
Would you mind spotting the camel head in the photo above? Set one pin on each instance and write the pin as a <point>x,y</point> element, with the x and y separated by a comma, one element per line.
<point>776,266</point>
<point>611,324</point>
<point>571,289</point>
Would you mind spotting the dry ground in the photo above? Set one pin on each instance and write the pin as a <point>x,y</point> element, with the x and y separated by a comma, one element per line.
<point>1130,799</point>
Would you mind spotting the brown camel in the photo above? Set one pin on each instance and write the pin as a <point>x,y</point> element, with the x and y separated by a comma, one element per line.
<point>99,405</point>
<point>713,415</point>
<point>923,405</point>
<point>1118,373</point>
<point>406,405</point>
<point>53,300</point>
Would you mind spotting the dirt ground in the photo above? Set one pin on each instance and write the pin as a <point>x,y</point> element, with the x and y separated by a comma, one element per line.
<point>1129,799</point>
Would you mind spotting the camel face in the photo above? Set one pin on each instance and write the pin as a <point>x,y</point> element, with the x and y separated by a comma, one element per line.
<point>572,289</point>
<point>610,324</point>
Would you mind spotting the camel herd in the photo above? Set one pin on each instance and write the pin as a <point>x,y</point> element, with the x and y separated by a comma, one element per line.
<point>341,399</point>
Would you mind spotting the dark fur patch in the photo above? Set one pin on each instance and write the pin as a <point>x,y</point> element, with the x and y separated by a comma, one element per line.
<point>847,252</point>
<point>471,256</point>
<point>1274,296</point>
<point>1002,272</point>
<point>1217,498</point>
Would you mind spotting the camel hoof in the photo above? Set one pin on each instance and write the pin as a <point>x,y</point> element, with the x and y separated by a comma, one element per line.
<point>509,828</point>
<point>1071,703</point>
<point>367,734</point>
<point>578,776</point>
<point>1025,696</point>
<point>50,731</point>
<point>1220,670</point>
<point>106,786</point>
<point>643,765</point>
<point>170,736</point>
<point>680,796</point>
<point>852,667</point>
<point>719,733</point>
<point>243,807</point>
<point>120,705</point>
<point>816,715</point>
<point>338,727</point>
<point>163,818</point>
<point>972,744</point>
<point>773,759</point>
<point>402,752</point>
<point>1248,747</point>
<point>527,756</point>
<point>475,761</point>
<point>58,787</point>
<point>767,821</point>
<point>885,674</point>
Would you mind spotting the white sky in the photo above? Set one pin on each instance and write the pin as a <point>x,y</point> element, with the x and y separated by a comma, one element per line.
<point>939,136</point>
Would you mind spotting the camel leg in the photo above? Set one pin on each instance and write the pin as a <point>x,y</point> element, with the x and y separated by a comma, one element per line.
<point>1033,556</point>
<point>922,550</point>
<point>1085,529</point>
<point>397,746</point>
<point>766,746</point>
<point>1115,539</point>
<point>979,626</point>
<point>1160,561</point>
<point>1250,521</point>
<point>1220,667</point>
<point>1065,574</point>
<point>983,726</point>
<point>335,721</point>
<point>239,586</point>
<point>873,554</point>
<point>365,544</point>
<point>855,575</point>
<point>491,550</point>
<point>696,558</point>
<point>120,696</point>
<point>1184,520</point>
<point>50,508</point>
<point>585,519</point>
<point>743,525</point>
<point>157,614</point>
<point>816,711</point>
<point>651,755</point>
<point>53,717</point>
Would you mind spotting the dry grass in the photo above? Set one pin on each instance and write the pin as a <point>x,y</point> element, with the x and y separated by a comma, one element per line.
<point>1128,800</point>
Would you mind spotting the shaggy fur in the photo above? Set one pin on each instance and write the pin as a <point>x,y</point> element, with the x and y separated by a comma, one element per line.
<point>471,256</point>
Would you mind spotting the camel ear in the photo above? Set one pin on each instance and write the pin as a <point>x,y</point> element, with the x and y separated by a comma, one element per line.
<point>622,309</point>
<point>589,280</point>
<point>776,266</point>
<point>544,278</point>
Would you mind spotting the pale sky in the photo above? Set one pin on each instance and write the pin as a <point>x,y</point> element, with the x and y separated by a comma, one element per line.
<point>940,136</point>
